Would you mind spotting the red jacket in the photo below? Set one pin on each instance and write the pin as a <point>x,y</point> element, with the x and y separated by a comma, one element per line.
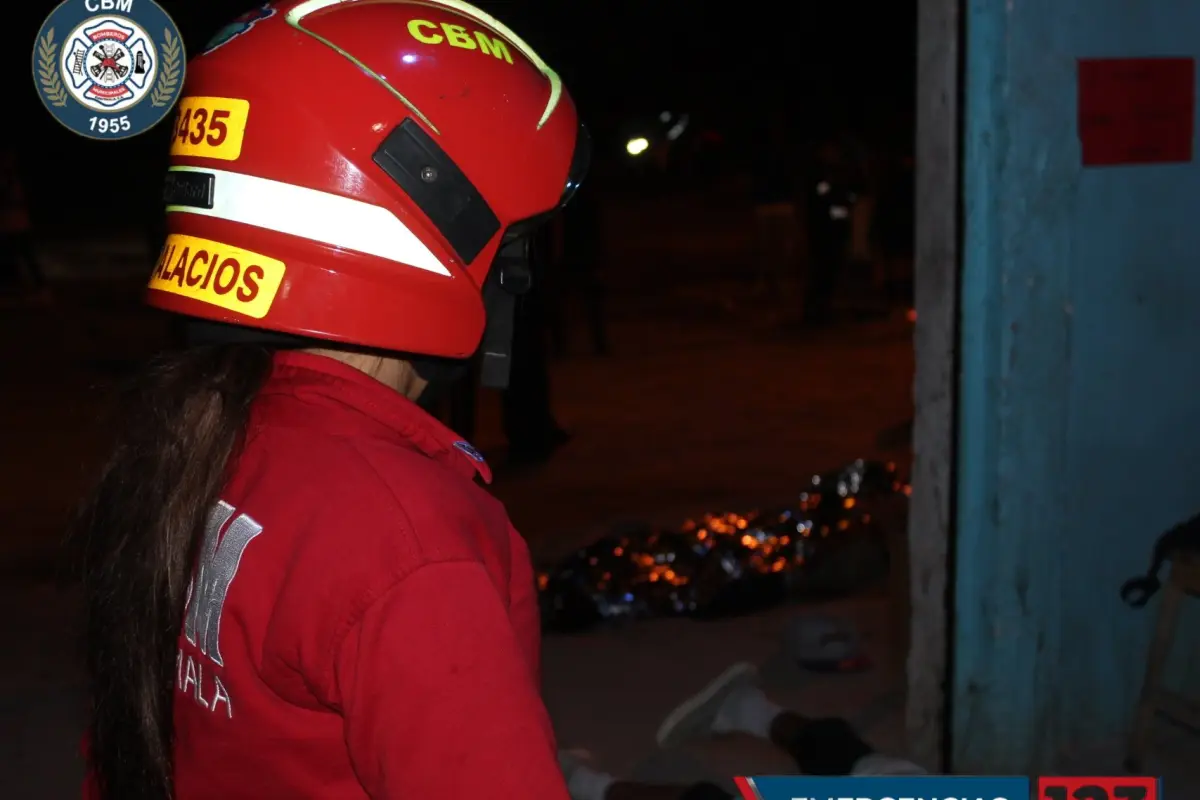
<point>366,625</point>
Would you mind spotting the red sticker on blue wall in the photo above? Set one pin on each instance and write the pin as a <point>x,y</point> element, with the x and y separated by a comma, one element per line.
<point>1136,110</point>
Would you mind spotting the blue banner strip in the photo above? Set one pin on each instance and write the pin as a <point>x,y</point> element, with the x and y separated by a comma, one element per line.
<point>924,787</point>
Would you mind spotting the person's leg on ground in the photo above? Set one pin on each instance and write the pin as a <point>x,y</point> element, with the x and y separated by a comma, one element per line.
<point>636,791</point>
<point>818,746</point>
<point>585,782</point>
<point>628,790</point>
<point>706,791</point>
<point>734,703</point>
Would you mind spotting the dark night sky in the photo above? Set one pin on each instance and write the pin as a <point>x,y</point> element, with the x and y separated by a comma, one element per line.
<point>820,61</point>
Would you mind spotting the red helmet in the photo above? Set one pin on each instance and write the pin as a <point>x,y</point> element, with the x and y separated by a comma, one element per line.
<point>349,170</point>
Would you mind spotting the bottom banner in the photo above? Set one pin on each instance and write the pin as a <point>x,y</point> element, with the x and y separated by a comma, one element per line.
<point>924,787</point>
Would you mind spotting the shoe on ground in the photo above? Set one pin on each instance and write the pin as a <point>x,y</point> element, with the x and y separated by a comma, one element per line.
<point>693,718</point>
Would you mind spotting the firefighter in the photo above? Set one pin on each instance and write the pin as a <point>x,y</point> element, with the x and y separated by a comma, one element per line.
<point>832,195</point>
<point>294,585</point>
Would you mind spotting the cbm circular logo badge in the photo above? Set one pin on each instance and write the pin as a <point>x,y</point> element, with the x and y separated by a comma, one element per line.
<point>109,69</point>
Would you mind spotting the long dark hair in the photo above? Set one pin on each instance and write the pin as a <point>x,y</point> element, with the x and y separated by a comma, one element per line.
<point>179,426</point>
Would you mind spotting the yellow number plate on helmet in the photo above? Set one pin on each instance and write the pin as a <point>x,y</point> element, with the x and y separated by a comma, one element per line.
<point>210,127</point>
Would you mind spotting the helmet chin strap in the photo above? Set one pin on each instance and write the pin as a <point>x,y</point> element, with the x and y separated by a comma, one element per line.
<point>510,277</point>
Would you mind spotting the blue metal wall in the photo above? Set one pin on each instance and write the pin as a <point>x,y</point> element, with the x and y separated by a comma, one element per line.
<point>1080,395</point>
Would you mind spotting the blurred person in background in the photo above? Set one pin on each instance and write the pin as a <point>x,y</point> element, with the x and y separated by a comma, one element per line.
<point>578,256</point>
<point>895,229</point>
<point>863,258</point>
<point>735,704</point>
<point>532,431</point>
<point>564,260</point>
<point>831,195</point>
<point>527,417</point>
<point>294,585</point>
<point>20,268</point>
<point>774,192</point>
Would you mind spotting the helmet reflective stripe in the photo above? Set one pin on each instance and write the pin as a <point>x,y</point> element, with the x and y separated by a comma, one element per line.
<point>315,215</point>
<point>297,15</point>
